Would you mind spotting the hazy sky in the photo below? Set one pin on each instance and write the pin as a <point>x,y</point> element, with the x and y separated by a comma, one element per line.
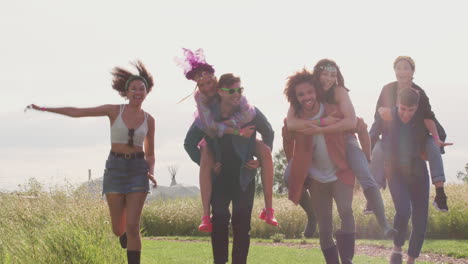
<point>60,53</point>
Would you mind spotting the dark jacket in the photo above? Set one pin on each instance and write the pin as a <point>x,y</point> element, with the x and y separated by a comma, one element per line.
<point>388,98</point>
<point>244,147</point>
<point>403,145</point>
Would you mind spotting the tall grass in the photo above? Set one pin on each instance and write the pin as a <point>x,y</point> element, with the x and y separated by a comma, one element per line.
<point>56,227</point>
<point>181,217</point>
<point>71,226</point>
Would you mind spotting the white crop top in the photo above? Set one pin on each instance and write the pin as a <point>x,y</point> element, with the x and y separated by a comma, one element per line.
<point>119,131</point>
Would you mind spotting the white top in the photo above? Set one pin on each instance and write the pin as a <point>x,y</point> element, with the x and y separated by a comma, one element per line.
<point>119,131</point>
<point>322,168</point>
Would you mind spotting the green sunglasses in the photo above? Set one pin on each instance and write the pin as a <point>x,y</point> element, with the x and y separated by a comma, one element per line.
<point>233,90</point>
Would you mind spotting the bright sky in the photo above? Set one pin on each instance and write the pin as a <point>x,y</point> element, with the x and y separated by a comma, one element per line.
<point>60,53</point>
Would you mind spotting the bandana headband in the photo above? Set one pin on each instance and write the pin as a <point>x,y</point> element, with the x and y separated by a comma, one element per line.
<point>135,77</point>
<point>329,67</point>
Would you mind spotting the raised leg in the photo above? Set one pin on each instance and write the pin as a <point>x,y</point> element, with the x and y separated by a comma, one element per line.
<point>207,162</point>
<point>263,153</point>
<point>116,203</point>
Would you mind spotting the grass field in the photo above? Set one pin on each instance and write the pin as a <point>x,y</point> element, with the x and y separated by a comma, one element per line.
<point>181,250</point>
<point>164,252</point>
<point>452,248</point>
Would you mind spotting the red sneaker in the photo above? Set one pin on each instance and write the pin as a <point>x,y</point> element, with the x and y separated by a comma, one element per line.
<point>206,225</point>
<point>262,214</point>
<point>268,215</point>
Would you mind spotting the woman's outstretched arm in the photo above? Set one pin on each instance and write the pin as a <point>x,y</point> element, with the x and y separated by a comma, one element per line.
<point>103,110</point>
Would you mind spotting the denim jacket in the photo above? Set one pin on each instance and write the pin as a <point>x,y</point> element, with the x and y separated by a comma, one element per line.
<point>244,147</point>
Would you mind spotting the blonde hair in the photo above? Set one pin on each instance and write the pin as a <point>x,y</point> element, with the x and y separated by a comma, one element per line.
<point>406,58</point>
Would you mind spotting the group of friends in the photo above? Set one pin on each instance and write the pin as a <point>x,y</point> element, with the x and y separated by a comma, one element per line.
<point>320,143</point>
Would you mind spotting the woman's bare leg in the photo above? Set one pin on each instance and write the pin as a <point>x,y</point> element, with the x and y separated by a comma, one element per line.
<point>206,168</point>
<point>116,203</point>
<point>263,153</point>
<point>134,206</point>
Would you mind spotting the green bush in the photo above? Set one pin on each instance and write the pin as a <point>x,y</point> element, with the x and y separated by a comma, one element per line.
<point>277,238</point>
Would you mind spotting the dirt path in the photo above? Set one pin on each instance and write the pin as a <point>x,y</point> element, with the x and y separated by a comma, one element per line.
<point>367,250</point>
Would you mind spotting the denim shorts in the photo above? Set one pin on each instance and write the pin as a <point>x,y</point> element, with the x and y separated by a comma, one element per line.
<point>125,175</point>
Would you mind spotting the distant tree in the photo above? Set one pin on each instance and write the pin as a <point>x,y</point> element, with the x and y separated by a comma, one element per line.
<point>463,175</point>
<point>280,163</point>
<point>33,187</point>
<point>173,172</point>
<point>258,183</point>
<point>279,166</point>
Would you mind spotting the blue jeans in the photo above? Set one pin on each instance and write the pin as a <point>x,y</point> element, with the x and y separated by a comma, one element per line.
<point>433,155</point>
<point>436,164</point>
<point>411,199</point>
<point>358,163</point>
<point>376,165</point>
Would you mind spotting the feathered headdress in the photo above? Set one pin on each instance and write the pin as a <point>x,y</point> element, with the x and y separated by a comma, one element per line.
<point>194,63</point>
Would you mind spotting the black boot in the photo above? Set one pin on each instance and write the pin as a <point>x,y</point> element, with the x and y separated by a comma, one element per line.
<point>440,200</point>
<point>396,258</point>
<point>123,240</point>
<point>345,243</point>
<point>133,257</point>
<point>306,204</point>
<point>374,198</point>
<point>331,255</point>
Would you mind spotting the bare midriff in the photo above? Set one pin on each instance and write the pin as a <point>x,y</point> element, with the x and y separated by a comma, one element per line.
<point>124,148</point>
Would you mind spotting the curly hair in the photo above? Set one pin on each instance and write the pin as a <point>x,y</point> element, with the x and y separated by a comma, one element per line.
<point>322,95</point>
<point>293,81</point>
<point>120,76</point>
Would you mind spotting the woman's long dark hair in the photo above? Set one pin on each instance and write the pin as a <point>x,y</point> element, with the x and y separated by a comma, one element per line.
<point>322,95</point>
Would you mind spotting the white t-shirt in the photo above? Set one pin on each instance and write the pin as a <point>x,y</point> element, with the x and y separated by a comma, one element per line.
<point>322,167</point>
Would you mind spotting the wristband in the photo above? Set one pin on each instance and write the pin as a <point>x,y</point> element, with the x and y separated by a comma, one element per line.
<point>319,121</point>
<point>241,132</point>
<point>435,137</point>
<point>236,132</point>
<point>42,108</point>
